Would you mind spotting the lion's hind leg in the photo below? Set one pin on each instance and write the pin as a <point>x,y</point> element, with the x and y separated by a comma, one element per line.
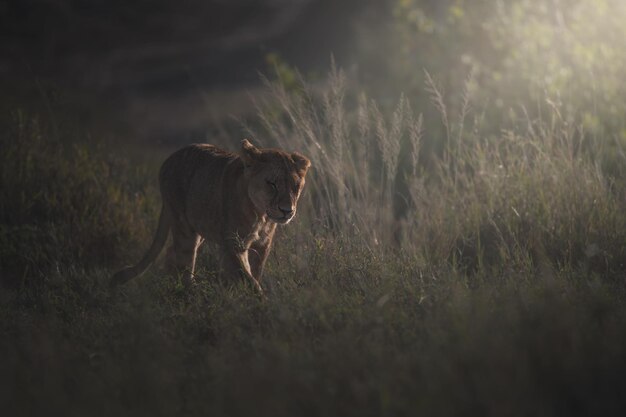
<point>182,255</point>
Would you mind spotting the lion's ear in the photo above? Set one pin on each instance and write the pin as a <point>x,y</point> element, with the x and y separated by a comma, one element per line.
<point>249,153</point>
<point>301,161</point>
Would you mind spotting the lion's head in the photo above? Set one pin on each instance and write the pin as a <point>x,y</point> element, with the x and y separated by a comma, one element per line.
<point>275,180</point>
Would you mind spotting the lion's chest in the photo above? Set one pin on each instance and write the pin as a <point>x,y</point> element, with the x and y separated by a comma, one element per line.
<point>261,233</point>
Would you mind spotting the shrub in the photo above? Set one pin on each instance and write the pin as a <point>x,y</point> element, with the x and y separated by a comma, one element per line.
<point>67,204</point>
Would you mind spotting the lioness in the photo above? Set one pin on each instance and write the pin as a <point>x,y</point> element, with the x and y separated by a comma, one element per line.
<point>233,200</point>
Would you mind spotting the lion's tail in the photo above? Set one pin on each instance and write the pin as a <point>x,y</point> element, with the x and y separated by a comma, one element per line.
<point>160,237</point>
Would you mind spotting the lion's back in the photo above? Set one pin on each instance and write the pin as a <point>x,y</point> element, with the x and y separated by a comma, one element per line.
<point>179,171</point>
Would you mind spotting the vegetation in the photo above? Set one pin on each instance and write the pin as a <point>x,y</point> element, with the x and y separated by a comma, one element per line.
<point>470,266</point>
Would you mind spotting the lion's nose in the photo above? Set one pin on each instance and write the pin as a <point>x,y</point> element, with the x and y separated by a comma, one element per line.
<point>286,211</point>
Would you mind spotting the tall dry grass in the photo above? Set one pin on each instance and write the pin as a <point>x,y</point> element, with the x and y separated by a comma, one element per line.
<point>537,193</point>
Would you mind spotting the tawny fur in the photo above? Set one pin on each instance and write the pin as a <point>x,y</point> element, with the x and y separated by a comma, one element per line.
<point>235,200</point>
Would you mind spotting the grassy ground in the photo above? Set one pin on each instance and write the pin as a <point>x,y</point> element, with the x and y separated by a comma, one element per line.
<point>503,295</point>
<point>359,335</point>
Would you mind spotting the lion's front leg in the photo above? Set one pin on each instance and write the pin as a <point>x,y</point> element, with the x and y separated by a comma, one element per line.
<point>236,264</point>
<point>257,255</point>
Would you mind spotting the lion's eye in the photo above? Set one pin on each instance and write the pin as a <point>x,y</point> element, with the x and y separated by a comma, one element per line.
<point>271,184</point>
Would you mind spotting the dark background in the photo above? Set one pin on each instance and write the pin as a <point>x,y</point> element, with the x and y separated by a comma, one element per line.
<point>161,44</point>
<point>138,63</point>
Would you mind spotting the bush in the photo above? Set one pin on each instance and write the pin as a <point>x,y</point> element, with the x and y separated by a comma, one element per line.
<point>67,204</point>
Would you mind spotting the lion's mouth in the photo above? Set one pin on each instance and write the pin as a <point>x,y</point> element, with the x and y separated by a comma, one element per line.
<point>279,219</point>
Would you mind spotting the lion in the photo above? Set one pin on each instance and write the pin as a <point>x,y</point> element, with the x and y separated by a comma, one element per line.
<point>234,200</point>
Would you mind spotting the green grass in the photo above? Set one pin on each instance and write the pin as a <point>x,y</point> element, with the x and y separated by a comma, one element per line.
<point>504,295</point>
<point>360,336</point>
